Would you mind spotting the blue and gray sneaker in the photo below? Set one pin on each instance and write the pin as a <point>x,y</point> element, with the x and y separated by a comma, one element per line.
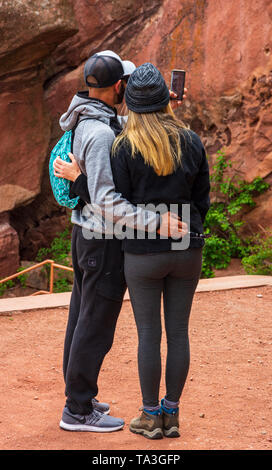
<point>99,406</point>
<point>95,422</point>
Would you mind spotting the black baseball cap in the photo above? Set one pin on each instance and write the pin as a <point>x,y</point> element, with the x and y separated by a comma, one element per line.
<point>107,68</point>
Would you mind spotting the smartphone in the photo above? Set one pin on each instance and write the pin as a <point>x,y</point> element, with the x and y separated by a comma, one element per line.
<point>177,83</point>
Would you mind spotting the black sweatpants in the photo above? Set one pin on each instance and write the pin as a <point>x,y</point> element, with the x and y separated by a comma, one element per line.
<point>96,301</point>
<point>174,274</point>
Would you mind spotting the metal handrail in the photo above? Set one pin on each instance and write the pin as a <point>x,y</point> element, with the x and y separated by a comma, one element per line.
<point>51,278</point>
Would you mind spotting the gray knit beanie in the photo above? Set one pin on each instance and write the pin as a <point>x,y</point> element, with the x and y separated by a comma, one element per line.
<point>146,90</point>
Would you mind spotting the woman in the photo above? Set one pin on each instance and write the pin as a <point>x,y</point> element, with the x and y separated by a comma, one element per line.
<point>156,160</point>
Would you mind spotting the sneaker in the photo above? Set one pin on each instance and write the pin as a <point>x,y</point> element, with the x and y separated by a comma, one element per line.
<point>170,418</point>
<point>148,425</point>
<point>99,406</point>
<point>95,422</point>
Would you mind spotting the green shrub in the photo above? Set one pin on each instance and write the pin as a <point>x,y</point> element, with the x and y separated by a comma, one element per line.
<point>58,251</point>
<point>62,284</point>
<point>216,254</point>
<point>23,278</point>
<point>259,261</point>
<point>223,221</point>
<point>6,285</point>
<point>19,281</point>
<point>59,248</point>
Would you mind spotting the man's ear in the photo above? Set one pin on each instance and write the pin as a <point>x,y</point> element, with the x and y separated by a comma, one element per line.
<point>117,86</point>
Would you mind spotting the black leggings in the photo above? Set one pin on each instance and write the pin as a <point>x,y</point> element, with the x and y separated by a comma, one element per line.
<point>176,275</point>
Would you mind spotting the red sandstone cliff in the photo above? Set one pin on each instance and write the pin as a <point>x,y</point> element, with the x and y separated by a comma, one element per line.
<point>225,47</point>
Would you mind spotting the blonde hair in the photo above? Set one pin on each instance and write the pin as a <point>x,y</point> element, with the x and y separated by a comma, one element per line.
<point>156,136</point>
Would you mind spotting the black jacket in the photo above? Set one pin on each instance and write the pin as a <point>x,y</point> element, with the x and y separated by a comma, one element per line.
<point>189,184</point>
<point>139,184</point>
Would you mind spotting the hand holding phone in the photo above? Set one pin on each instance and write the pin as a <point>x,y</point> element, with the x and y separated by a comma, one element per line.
<point>177,83</point>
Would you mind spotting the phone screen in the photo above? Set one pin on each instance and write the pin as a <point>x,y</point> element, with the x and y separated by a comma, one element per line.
<point>178,82</point>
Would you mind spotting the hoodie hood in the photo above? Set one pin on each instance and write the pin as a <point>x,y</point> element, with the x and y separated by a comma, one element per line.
<point>83,106</point>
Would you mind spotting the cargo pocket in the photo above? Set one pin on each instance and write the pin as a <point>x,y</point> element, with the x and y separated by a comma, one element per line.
<point>91,254</point>
<point>112,283</point>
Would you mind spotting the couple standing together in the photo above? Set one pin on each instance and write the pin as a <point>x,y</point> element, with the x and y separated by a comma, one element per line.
<point>149,158</point>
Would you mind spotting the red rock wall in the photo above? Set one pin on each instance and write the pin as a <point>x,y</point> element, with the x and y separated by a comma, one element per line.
<point>225,47</point>
<point>30,31</point>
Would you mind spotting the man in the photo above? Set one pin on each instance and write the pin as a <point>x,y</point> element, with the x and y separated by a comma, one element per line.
<point>99,283</point>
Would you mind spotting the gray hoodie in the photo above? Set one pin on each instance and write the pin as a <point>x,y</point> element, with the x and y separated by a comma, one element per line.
<point>93,139</point>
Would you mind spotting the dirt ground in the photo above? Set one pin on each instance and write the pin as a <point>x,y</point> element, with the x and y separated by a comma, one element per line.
<point>226,403</point>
